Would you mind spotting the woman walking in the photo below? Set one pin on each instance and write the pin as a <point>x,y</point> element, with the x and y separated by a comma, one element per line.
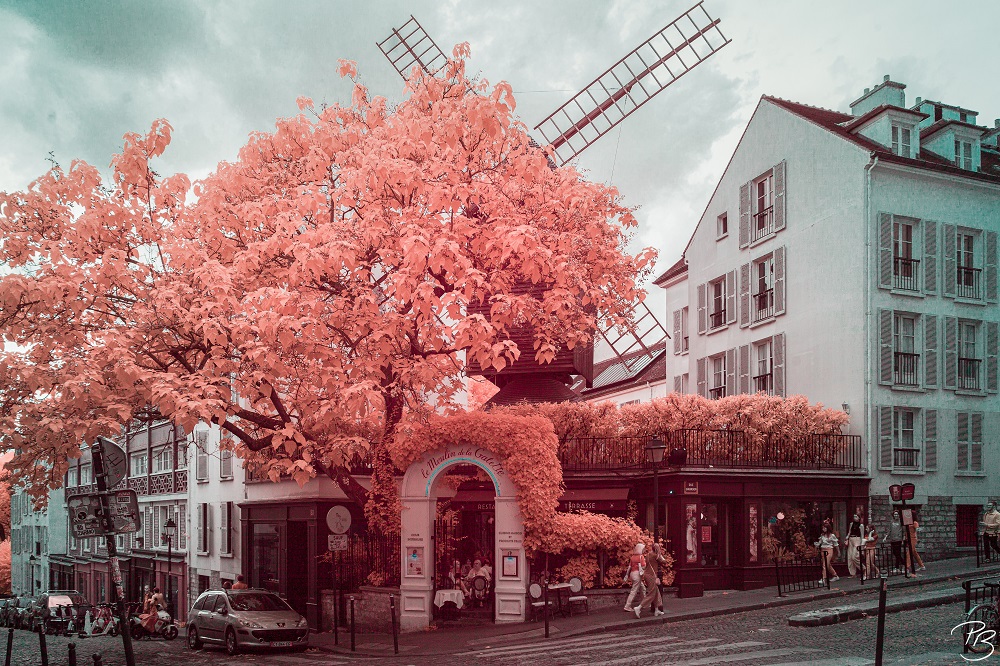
<point>827,542</point>
<point>633,575</point>
<point>855,535</point>
<point>871,563</point>
<point>895,538</point>
<point>651,579</point>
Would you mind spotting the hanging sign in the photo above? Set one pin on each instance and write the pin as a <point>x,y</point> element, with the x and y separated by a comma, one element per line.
<point>85,514</point>
<point>690,487</point>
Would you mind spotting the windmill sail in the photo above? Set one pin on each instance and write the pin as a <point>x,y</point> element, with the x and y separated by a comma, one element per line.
<point>410,45</point>
<point>631,82</point>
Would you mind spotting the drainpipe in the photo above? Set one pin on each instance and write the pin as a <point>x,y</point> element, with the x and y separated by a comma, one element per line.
<point>869,390</point>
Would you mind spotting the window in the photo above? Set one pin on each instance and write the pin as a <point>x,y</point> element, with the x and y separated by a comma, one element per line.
<point>763,208</point>
<point>967,278</point>
<point>139,464</point>
<point>164,513</point>
<point>901,140</point>
<point>685,383</point>
<point>201,455</point>
<point>73,477</point>
<point>182,448</point>
<point>162,460</point>
<point>718,389</point>
<point>722,226</point>
<point>204,528</point>
<point>85,475</point>
<point>904,266</point>
<point>763,289</point>
<point>963,154</point>
<point>717,316</point>
<point>763,378</point>
<point>970,442</point>
<point>87,543</point>
<point>227,528</point>
<point>226,463</point>
<point>684,329</point>
<point>905,359</point>
<point>904,451</point>
<point>968,356</point>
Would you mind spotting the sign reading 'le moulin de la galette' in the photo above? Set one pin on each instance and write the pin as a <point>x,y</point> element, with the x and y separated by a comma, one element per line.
<point>481,455</point>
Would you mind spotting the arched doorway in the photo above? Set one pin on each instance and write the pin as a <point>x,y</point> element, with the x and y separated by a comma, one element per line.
<point>419,495</point>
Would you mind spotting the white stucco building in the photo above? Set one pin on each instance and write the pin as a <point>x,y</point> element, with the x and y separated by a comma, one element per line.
<point>852,258</point>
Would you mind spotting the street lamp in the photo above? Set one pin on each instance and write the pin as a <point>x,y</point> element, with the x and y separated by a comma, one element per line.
<point>31,573</point>
<point>654,454</point>
<point>169,531</point>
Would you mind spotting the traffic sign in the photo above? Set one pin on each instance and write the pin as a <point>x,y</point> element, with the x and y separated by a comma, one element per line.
<point>336,542</point>
<point>338,519</point>
<point>115,461</point>
<point>85,514</point>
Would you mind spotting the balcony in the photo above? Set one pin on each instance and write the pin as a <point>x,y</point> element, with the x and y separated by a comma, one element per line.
<point>905,369</point>
<point>717,449</point>
<point>967,283</point>
<point>763,224</point>
<point>968,374</point>
<point>763,305</point>
<point>717,392</point>
<point>906,458</point>
<point>906,274</point>
<point>717,318</point>
<point>763,384</point>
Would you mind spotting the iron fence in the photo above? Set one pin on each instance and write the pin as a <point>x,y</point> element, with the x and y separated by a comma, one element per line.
<point>371,559</point>
<point>793,573</point>
<point>881,562</point>
<point>985,552</point>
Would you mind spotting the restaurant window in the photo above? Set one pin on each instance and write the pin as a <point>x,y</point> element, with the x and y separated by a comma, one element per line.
<point>266,547</point>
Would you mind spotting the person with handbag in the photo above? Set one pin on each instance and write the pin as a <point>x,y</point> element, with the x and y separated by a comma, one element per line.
<point>651,579</point>
<point>855,536</point>
<point>633,576</point>
<point>827,542</point>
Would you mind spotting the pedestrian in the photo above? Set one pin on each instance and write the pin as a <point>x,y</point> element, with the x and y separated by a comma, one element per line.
<point>855,534</point>
<point>633,576</point>
<point>895,539</point>
<point>871,562</point>
<point>226,585</point>
<point>240,584</point>
<point>912,529</point>
<point>651,579</point>
<point>827,542</point>
<point>991,528</point>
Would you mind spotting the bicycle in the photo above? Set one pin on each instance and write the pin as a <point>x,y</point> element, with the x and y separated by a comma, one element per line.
<point>982,624</point>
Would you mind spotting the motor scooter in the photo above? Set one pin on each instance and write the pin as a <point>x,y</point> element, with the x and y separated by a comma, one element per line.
<point>163,626</point>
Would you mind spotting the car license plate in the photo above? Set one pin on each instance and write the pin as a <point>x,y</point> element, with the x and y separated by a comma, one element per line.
<point>281,644</point>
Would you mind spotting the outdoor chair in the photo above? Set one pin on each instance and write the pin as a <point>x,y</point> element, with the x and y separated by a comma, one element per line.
<point>576,599</point>
<point>480,590</point>
<point>537,604</point>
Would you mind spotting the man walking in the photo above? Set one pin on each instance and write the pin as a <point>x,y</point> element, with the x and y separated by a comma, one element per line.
<point>633,576</point>
<point>991,528</point>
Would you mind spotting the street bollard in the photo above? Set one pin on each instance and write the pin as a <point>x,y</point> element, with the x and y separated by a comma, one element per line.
<point>880,631</point>
<point>72,654</point>
<point>41,646</point>
<point>352,623</point>
<point>545,600</point>
<point>98,661</point>
<point>395,635</point>
<point>862,563</point>
<point>10,646</point>
<point>826,575</point>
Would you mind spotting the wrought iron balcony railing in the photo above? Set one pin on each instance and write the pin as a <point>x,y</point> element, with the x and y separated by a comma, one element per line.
<point>763,383</point>
<point>906,369</point>
<point>763,224</point>
<point>906,274</point>
<point>763,305</point>
<point>967,283</point>
<point>909,458</point>
<point>717,392</point>
<point>717,318</point>
<point>968,373</point>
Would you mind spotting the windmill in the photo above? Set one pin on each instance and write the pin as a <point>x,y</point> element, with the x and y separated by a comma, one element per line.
<point>599,107</point>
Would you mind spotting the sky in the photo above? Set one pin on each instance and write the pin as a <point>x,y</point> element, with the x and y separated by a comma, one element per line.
<point>76,76</point>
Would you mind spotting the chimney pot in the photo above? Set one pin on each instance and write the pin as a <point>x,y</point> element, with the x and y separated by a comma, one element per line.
<point>919,100</point>
<point>885,78</point>
<point>867,90</point>
<point>996,122</point>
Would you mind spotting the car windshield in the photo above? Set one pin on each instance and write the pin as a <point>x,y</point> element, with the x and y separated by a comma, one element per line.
<point>257,601</point>
<point>65,600</point>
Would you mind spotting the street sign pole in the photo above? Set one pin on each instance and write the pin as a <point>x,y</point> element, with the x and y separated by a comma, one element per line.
<point>107,523</point>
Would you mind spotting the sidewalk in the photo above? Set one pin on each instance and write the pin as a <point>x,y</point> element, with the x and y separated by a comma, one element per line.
<point>723,602</point>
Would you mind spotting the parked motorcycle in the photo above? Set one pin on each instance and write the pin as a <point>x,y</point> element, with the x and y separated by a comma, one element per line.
<point>142,626</point>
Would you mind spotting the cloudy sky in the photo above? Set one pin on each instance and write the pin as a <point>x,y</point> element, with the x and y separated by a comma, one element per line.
<point>76,75</point>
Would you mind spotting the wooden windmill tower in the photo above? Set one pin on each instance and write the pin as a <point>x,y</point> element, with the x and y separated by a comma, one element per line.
<point>682,45</point>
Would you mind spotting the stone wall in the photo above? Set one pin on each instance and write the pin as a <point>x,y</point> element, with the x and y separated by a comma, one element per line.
<point>371,609</point>
<point>937,536</point>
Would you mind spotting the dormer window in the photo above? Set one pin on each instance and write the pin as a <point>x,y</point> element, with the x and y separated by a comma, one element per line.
<point>963,154</point>
<point>901,140</point>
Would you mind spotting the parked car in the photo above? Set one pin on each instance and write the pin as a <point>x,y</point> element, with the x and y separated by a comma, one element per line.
<point>52,610</point>
<point>240,619</point>
<point>20,613</point>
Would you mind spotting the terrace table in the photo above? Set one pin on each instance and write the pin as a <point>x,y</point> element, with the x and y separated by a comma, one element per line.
<point>559,588</point>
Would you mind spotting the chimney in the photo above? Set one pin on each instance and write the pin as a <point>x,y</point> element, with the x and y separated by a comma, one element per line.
<point>888,93</point>
<point>996,122</point>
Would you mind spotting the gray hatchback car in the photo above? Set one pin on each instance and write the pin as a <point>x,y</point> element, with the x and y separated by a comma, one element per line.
<point>239,619</point>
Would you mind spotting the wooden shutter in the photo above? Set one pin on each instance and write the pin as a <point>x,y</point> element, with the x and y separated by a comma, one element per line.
<point>992,334</point>
<point>949,231</point>
<point>182,527</point>
<point>201,528</point>
<point>780,273</point>
<point>677,331</point>
<point>778,363</point>
<point>225,527</point>
<point>779,196</point>
<point>976,441</point>
<point>930,259</point>
<point>884,422</point>
<point>148,532</point>
<point>744,295</point>
<point>885,250</point>
<point>930,440</point>
<point>885,346</point>
<point>962,441</point>
<point>990,272</point>
<point>950,353</point>
<point>226,463</point>
<point>731,297</point>
<point>744,215</point>
<point>930,351</point>
<point>702,377</point>
<point>157,527</point>
<point>678,383</point>
<point>744,368</point>
<point>201,455</point>
<point>702,307</point>
<point>731,371</point>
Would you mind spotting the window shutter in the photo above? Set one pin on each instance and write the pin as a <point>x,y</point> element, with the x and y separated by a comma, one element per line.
<point>885,346</point>
<point>976,441</point>
<point>224,527</point>
<point>182,527</point>
<point>930,351</point>
<point>930,440</point>
<point>208,528</point>
<point>744,295</point>
<point>226,463</point>
<point>990,272</point>
<point>201,455</point>
<point>779,196</point>
<point>930,256</point>
<point>778,363</point>
<point>885,250</point>
<point>950,353</point>
<point>678,384</point>
<point>702,308</point>
<point>731,297</point>
<point>885,437</point>
<point>962,437</point>
<point>950,267</point>
<point>744,215</point>
<point>148,532</point>
<point>731,371</point>
<point>992,334</point>
<point>744,368</point>
<point>157,527</point>
<point>677,331</point>
<point>702,377</point>
<point>201,528</point>
<point>780,257</point>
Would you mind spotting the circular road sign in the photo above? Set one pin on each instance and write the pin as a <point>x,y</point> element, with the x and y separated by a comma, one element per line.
<point>338,519</point>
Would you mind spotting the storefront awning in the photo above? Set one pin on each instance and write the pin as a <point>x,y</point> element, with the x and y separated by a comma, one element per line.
<point>594,499</point>
<point>473,500</point>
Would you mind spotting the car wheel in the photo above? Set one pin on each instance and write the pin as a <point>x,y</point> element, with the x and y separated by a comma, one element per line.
<point>232,647</point>
<point>193,641</point>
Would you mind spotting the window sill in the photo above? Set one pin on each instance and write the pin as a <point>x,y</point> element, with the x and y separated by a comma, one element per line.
<point>226,478</point>
<point>761,322</point>
<point>762,239</point>
<point>201,480</point>
<point>908,472</point>
<point>712,331</point>
<point>970,301</point>
<point>203,553</point>
<point>907,389</point>
<point>907,292</point>
<point>971,393</point>
<point>725,235</point>
<point>969,474</point>
<point>227,556</point>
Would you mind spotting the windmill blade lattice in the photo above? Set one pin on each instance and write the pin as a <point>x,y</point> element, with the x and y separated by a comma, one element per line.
<point>631,82</point>
<point>637,342</point>
<point>410,45</point>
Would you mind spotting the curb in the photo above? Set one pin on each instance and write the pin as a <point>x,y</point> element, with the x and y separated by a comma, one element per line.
<point>831,616</point>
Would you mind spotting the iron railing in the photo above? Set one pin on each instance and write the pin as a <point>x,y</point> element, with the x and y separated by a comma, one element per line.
<point>905,369</point>
<point>968,373</point>
<point>763,383</point>
<point>763,224</point>
<point>763,305</point>
<point>717,318</point>
<point>717,392</point>
<point>796,574</point>
<point>967,283</point>
<point>881,561</point>
<point>978,591</point>
<point>906,274</point>
<point>906,457</point>
<point>985,552</point>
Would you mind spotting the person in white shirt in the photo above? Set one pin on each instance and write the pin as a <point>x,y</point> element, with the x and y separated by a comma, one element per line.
<point>827,542</point>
